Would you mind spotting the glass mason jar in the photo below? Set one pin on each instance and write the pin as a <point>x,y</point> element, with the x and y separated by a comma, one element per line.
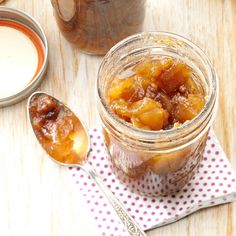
<point>156,162</point>
<point>94,26</point>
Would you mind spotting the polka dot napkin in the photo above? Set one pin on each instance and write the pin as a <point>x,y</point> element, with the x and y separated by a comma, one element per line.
<point>214,183</point>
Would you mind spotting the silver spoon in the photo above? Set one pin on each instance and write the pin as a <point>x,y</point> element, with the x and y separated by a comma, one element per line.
<point>65,139</point>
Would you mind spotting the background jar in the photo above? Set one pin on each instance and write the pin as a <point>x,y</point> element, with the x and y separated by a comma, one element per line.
<point>94,26</point>
<point>156,162</point>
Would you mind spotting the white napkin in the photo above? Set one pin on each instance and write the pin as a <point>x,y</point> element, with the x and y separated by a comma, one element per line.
<point>214,183</point>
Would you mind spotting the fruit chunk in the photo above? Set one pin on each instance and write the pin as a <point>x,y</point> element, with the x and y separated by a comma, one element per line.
<point>174,77</point>
<point>165,100</point>
<point>120,107</point>
<point>191,87</point>
<point>120,87</point>
<point>169,163</point>
<point>148,114</point>
<point>152,68</point>
<point>130,89</point>
<point>188,108</point>
<point>154,119</point>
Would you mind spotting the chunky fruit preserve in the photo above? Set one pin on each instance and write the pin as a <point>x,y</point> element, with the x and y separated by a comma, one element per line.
<point>157,97</point>
<point>158,94</point>
<point>57,129</point>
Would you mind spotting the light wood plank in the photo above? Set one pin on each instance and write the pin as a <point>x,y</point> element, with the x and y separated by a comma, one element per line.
<point>29,205</point>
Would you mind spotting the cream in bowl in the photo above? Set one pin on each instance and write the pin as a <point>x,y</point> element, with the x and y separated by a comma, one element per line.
<point>23,57</point>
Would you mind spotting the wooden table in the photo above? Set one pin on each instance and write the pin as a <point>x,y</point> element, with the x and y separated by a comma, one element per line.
<point>36,195</point>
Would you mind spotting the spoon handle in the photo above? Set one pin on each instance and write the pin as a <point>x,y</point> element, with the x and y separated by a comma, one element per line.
<point>132,227</point>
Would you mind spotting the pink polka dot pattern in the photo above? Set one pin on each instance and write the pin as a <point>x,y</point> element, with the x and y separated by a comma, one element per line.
<point>215,183</point>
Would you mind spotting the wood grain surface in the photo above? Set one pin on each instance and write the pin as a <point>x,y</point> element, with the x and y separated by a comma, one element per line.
<point>36,197</point>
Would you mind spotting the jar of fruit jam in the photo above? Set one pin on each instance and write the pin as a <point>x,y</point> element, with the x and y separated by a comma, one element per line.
<point>94,26</point>
<point>157,97</point>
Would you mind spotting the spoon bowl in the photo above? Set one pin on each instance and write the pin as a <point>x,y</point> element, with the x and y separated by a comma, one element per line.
<point>66,141</point>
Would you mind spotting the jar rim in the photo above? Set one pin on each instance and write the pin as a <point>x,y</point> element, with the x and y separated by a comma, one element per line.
<point>170,133</point>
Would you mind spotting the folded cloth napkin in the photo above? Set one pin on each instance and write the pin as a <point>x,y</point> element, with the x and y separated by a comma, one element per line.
<point>214,183</point>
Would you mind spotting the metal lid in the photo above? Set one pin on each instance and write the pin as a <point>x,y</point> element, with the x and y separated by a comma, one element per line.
<point>34,33</point>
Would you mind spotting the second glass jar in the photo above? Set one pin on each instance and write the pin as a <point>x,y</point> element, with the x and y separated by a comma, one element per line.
<point>94,26</point>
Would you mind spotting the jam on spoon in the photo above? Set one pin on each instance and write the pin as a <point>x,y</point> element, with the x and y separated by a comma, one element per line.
<point>58,130</point>
<point>65,139</point>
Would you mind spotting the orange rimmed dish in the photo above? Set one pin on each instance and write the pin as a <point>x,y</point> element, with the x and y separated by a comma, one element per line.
<point>24,55</point>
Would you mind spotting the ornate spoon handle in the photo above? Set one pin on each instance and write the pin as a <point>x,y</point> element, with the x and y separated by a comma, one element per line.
<point>132,227</point>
